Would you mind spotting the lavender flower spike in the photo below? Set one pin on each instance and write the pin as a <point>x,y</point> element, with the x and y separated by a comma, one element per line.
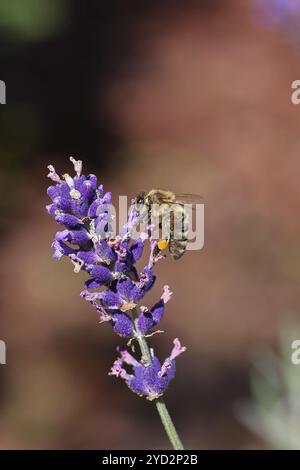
<point>114,286</point>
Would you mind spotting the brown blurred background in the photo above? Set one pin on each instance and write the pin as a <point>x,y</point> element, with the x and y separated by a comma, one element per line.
<point>193,96</point>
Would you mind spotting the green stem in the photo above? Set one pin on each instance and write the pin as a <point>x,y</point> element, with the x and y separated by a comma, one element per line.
<point>159,402</point>
<point>168,424</point>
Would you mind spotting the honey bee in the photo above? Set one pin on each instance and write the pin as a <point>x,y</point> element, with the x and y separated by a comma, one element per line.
<point>172,214</point>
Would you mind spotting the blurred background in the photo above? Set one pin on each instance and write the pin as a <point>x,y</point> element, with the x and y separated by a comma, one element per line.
<point>193,96</point>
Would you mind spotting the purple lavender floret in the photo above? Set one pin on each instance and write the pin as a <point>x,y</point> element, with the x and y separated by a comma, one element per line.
<point>149,381</point>
<point>114,286</point>
<point>148,319</point>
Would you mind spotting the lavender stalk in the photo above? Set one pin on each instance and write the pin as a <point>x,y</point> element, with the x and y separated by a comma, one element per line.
<point>115,287</point>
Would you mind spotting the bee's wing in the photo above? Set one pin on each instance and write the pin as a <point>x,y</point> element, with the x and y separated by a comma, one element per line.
<point>189,199</point>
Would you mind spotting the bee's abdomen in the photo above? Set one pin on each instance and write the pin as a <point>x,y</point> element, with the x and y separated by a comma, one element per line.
<point>177,248</point>
<point>179,229</point>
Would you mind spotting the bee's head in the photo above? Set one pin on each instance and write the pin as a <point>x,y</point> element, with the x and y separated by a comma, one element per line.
<point>140,199</point>
<point>140,202</point>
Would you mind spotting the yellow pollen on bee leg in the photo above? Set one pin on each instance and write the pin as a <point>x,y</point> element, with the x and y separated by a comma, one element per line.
<point>163,244</point>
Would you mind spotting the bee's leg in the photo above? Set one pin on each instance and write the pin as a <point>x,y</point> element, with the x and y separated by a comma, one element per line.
<point>156,251</point>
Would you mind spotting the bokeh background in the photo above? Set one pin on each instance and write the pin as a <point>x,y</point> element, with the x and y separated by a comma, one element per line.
<point>194,96</point>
